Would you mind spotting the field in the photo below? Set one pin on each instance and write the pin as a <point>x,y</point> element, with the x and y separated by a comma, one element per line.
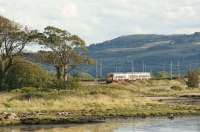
<point>97,101</point>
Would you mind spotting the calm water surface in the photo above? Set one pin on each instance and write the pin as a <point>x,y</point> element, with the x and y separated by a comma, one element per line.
<point>184,124</point>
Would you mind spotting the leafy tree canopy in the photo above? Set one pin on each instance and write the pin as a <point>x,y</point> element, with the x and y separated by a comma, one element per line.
<point>12,42</point>
<point>66,51</point>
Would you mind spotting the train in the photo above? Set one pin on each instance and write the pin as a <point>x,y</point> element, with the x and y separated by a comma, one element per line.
<point>130,76</point>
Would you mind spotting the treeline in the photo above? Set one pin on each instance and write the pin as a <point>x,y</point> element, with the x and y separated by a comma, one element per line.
<point>61,49</point>
<point>192,77</point>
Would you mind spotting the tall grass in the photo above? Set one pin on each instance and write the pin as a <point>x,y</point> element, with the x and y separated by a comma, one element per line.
<point>90,97</point>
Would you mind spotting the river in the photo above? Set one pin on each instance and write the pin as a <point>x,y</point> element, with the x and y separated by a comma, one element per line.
<point>181,124</point>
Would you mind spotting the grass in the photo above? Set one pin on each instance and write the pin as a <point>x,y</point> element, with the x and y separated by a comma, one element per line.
<point>100,100</point>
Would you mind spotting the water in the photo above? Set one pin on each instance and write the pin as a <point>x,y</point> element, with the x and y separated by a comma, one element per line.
<point>184,124</point>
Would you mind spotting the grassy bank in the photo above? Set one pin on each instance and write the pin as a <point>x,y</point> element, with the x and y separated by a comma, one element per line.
<point>91,101</point>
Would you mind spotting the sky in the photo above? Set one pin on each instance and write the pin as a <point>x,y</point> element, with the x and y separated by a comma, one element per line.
<point>99,20</point>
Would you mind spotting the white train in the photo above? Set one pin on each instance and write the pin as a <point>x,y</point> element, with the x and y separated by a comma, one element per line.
<point>130,76</point>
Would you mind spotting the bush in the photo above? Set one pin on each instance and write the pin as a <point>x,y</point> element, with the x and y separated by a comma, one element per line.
<point>71,83</point>
<point>176,88</point>
<point>162,75</point>
<point>83,76</point>
<point>159,90</point>
<point>26,74</point>
<point>193,79</point>
<point>28,93</point>
<point>26,90</point>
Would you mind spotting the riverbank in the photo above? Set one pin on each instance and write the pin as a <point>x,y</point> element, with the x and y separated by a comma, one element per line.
<point>91,102</point>
<point>157,124</point>
<point>42,118</point>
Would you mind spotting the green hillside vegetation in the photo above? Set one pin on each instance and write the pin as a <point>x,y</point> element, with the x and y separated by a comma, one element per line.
<point>27,74</point>
<point>156,51</point>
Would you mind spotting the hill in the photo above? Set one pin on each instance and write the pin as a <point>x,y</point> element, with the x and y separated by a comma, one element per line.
<point>151,53</point>
<point>147,53</point>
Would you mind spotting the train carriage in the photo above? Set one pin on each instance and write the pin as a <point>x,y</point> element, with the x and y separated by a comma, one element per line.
<point>131,76</point>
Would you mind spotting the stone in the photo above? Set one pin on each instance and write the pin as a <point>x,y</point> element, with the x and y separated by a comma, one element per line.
<point>171,117</point>
<point>11,116</point>
<point>5,113</point>
<point>63,113</point>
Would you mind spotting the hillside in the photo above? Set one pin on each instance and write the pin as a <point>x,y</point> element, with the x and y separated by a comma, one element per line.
<point>149,53</point>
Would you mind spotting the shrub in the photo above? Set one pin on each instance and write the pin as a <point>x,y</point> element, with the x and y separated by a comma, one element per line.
<point>193,79</point>
<point>26,74</point>
<point>176,88</point>
<point>83,76</point>
<point>28,93</point>
<point>26,90</point>
<point>159,90</point>
<point>162,75</point>
<point>71,83</point>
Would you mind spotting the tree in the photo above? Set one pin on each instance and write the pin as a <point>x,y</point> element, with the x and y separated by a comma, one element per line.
<point>66,51</point>
<point>12,43</point>
<point>7,25</point>
<point>193,78</point>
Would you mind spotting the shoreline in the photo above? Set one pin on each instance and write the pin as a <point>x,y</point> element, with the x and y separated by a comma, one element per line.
<point>90,119</point>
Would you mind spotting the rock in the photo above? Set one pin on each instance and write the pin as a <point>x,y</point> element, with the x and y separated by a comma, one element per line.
<point>171,117</point>
<point>1,117</point>
<point>4,113</point>
<point>11,116</point>
<point>40,113</point>
<point>63,113</point>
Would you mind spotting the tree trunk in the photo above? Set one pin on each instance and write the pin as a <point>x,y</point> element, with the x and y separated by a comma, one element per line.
<point>5,66</point>
<point>65,77</point>
<point>2,75</point>
<point>1,82</point>
<point>2,79</point>
<point>59,72</point>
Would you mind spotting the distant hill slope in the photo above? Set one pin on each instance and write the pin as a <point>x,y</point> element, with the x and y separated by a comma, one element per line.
<point>149,53</point>
<point>143,53</point>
